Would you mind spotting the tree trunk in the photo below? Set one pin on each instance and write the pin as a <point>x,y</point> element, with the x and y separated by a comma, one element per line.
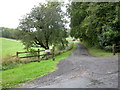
<point>63,44</point>
<point>47,46</point>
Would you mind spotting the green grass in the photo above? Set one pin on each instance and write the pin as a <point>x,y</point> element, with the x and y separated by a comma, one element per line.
<point>10,47</point>
<point>11,77</point>
<point>100,53</point>
<point>94,51</point>
<point>72,40</point>
<point>69,38</point>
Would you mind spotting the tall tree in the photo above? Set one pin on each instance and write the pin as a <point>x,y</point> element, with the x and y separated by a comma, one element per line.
<point>43,26</point>
<point>96,23</point>
<point>77,11</point>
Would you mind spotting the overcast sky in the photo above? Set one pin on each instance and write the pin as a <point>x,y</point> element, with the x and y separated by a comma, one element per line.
<point>13,10</point>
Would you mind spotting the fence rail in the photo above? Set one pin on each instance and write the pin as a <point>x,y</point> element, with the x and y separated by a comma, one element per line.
<point>115,49</point>
<point>38,54</point>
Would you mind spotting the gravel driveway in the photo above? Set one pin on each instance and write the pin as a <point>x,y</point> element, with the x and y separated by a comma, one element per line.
<point>80,70</point>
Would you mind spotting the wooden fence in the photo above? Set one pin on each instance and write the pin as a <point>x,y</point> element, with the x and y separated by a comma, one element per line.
<point>38,54</point>
<point>116,49</point>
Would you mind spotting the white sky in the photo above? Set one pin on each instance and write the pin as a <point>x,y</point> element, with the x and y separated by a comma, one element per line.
<point>13,10</point>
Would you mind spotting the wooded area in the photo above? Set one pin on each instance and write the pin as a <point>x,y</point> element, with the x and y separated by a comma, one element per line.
<point>96,23</point>
<point>7,32</point>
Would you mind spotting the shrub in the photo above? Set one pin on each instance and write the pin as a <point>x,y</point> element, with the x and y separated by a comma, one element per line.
<point>60,47</point>
<point>61,50</point>
<point>32,52</point>
<point>108,48</point>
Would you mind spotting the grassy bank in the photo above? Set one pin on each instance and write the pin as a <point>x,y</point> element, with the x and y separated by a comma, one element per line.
<point>10,47</point>
<point>11,77</point>
<point>94,51</point>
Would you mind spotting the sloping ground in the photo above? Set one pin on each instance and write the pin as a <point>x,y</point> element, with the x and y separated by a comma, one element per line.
<point>9,47</point>
<point>80,70</point>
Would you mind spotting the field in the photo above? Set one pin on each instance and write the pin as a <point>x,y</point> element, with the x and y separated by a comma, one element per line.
<point>10,47</point>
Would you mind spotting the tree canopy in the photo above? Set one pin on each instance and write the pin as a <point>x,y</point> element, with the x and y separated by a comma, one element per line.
<point>43,26</point>
<point>7,32</point>
<point>95,23</point>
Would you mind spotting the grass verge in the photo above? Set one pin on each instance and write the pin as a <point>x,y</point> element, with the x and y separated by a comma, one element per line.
<point>94,51</point>
<point>11,77</point>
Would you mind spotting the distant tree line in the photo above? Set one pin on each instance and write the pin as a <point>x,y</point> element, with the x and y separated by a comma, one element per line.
<point>95,23</point>
<point>7,32</point>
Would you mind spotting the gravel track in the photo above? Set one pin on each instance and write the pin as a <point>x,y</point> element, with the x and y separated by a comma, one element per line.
<point>80,70</point>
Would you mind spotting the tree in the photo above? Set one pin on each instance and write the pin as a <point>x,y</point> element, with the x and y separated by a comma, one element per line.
<point>7,32</point>
<point>95,23</point>
<point>77,11</point>
<point>43,26</point>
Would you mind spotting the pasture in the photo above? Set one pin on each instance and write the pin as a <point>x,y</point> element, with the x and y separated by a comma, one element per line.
<point>10,47</point>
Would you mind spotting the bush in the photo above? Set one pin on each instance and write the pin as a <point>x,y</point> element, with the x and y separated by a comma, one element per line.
<point>60,47</point>
<point>32,52</point>
<point>70,46</point>
<point>108,48</point>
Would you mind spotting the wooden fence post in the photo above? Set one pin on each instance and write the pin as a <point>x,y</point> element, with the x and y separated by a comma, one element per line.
<point>53,53</point>
<point>113,49</point>
<point>47,55</point>
<point>17,54</point>
<point>38,54</point>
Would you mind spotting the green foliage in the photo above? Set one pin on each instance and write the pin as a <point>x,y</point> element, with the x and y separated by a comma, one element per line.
<point>7,32</point>
<point>60,47</point>
<point>108,37</point>
<point>32,52</point>
<point>43,26</point>
<point>95,51</point>
<point>108,48</point>
<point>95,23</point>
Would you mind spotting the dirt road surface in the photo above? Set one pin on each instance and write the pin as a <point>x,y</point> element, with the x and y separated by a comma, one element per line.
<point>80,70</point>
